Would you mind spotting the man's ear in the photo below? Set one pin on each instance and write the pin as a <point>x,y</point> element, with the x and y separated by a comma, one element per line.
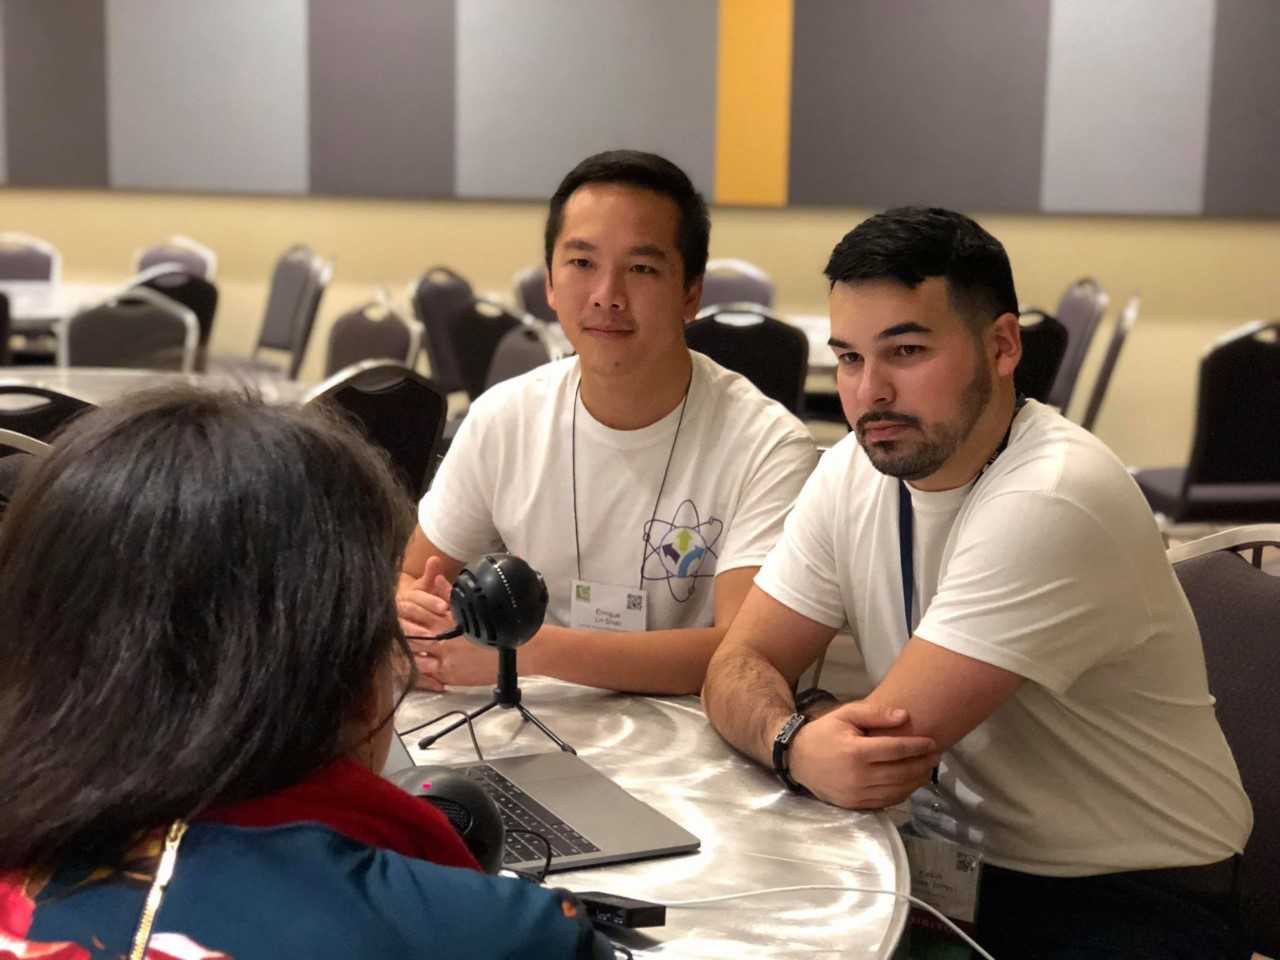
<point>692,300</point>
<point>1004,339</point>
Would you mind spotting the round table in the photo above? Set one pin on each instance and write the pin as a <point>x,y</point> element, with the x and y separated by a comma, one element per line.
<point>754,833</point>
<point>99,385</point>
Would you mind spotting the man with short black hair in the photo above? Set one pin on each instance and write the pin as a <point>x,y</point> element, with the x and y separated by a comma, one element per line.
<point>647,483</point>
<point>1008,588</point>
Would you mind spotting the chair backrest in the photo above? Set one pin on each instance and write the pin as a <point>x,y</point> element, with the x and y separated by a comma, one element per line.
<point>372,331</point>
<point>1237,607</point>
<point>1079,310</point>
<point>1044,344</point>
<point>397,408</point>
<point>194,292</point>
<point>531,293</point>
<point>476,339</point>
<point>1237,409</point>
<point>17,452</point>
<point>746,338</point>
<point>297,283</point>
<point>442,302</point>
<point>24,257</point>
<point>1124,324</point>
<point>735,281</point>
<point>138,328</point>
<point>520,350</point>
<point>6,356</point>
<point>36,411</point>
<point>193,257</point>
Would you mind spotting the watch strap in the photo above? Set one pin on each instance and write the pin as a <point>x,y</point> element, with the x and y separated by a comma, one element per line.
<point>781,746</point>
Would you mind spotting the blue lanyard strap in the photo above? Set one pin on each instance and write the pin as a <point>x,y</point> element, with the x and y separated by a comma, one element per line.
<point>906,549</point>
<point>906,521</point>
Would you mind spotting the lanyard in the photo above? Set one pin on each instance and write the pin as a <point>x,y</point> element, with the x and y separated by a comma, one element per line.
<point>573,471</point>
<point>906,522</point>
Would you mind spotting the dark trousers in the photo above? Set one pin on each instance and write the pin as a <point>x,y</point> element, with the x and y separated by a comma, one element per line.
<point>1143,915</point>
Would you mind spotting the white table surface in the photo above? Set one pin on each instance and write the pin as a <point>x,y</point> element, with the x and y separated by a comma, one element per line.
<point>754,833</point>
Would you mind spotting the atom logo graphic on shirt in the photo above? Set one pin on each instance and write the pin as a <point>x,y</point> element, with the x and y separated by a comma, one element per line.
<point>681,550</point>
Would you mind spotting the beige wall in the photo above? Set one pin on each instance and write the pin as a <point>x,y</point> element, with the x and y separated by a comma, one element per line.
<point>1198,278</point>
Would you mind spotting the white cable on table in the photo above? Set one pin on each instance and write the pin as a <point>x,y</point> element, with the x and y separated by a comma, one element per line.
<point>831,886</point>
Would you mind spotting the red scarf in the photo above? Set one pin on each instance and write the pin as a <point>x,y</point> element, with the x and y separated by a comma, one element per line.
<point>357,803</point>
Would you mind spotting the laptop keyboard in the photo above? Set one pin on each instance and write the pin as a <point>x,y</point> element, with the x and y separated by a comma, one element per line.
<point>521,812</point>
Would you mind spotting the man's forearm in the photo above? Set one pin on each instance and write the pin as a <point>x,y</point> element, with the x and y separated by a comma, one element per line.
<point>655,661</point>
<point>747,700</point>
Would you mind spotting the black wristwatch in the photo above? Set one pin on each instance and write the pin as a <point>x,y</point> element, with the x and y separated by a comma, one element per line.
<point>781,744</point>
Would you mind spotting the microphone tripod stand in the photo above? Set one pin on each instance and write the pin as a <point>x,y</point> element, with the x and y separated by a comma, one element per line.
<point>507,695</point>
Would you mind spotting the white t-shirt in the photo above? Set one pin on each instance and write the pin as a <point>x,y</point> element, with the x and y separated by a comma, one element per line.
<point>1049,566</point>
<point>738,463</point>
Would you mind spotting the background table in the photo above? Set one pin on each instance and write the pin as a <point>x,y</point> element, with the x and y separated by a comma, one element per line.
<point>36,305</point>
<point>754,833</point>
<point>100,385</point>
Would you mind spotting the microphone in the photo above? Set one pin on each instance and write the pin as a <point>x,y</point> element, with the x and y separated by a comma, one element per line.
<point>499,601</point>
<point>470,811</point>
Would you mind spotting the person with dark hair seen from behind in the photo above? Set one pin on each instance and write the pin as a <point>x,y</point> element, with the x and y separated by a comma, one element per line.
<point>200,661</point>
<point>646,482</point>
<point>1029,643</point>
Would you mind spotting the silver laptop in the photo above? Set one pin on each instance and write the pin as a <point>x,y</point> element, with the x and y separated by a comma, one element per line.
<point>587,818</point>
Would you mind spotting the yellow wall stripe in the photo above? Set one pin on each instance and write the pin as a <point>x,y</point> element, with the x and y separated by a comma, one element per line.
<point>753,101</point>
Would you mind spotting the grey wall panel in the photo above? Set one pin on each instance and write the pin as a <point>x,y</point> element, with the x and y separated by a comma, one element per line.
<point>1243,168</point>
<point>55,107</point>
<point>1126,121</point>
<point>382,97</point>
<point>208,96</point>
<point>918,101</point>
<point>544,83</point>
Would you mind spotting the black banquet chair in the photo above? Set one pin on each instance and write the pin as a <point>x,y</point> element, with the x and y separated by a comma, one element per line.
<point>1237,606</point>
<point>1044,344</point>
<point>198,294</point>
<point>442,302</point>
<point>24,257</point>
<point>190,255</point>
<point>1124,326</point>
<point>476,338</point>
<point>298,282</point>
<point>35,411</point>
<point>398,409</point>
<point>748,339</point>
<point>137,328</point>
<point>17,451</point>
<point>729,280</point>
<point>1079,311</point>
<point>372,331</point>
<point>6,354</point>
<point>531,293</point>
<point>1233,473</point>
<point>520,350</point>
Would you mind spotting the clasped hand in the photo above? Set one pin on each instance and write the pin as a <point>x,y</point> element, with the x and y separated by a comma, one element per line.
<point>848,757</point>
<point>423,609</point>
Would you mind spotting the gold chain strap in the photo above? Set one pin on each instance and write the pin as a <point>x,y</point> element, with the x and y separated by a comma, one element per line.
<point>164,872</point>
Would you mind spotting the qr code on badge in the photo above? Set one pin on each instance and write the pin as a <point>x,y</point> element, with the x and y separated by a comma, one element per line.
<point>966,862</point>
<point>634,600</point>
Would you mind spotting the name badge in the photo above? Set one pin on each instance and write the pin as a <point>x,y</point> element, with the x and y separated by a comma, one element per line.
<point>604,606</point>
<point>944,874</point>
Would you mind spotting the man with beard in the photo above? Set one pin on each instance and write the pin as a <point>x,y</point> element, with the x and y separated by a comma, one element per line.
<point>1008,588</point>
